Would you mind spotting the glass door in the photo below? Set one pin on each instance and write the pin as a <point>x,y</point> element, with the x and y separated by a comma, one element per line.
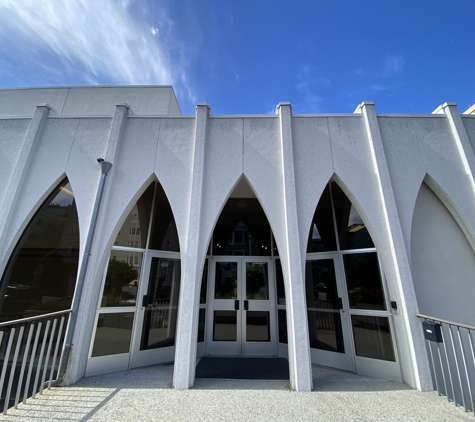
<point>157,312</point>
<point>241,307</point>
<point>327,309</point>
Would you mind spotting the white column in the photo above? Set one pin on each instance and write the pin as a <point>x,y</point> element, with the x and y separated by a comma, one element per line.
<point>20,173</point>
<point>293,260</point>
<point>412,350</point>
<point>90,292</point>
<point>192,261</point>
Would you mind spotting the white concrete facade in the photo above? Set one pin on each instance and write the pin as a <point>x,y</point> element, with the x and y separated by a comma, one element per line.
<point>408,176</point>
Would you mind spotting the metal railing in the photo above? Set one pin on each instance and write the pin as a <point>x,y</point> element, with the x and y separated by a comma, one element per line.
<point>452,358</point>
<point>29,349</point>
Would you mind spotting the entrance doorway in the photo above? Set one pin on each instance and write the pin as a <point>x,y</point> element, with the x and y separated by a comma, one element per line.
<point>327,309</point>
<point>241,307</point>
<point>157,311</point>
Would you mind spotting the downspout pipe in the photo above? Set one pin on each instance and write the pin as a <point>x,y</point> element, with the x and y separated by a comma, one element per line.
<point>105,167</point>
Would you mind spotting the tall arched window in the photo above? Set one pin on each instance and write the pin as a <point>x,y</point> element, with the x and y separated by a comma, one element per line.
<point>41,274</point>
<point>347,307</point>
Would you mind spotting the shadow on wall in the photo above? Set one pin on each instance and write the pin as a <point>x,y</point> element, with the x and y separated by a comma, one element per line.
<point>443,262</point>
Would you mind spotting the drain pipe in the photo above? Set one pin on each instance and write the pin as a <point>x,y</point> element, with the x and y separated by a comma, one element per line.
<point>105,167</point>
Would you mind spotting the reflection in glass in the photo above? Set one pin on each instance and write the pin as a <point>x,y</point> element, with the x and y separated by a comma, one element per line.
<point>242,229</point>
<point>113,334</point>
<point>352,232</point>
<point>320,283</point>
<point>257,285</point>
<point>373,337</point>
<point>365,290</point>
<point>201,325</point>
<point>282,326</point>
<point>225,285</point>
<point>204,283</point>
<point>41,274</point>
<point>322,232</point>
<point>279,278</point>
<point>225,326</point>
<point>122,279</point>
<point>323,306</point>
<point>161,304</point>
<point>325,331</point>
<point>164,234</point>
<point>133,233</point>
<point>257,326</point>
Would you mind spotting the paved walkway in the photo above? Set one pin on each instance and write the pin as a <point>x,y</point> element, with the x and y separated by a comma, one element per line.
<point>146,395</point>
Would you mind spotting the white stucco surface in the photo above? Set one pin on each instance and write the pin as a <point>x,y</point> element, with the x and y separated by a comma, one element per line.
<point>379,162</point>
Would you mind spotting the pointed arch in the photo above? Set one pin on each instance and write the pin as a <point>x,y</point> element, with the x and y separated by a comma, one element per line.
<point>40,275</point>
<point>350,205</point>
<point>241,214</point>
<point>452,207</point>
<point>442,258</point>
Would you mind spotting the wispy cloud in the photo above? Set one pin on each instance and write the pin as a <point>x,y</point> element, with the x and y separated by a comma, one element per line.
<point>91,41</point>
<point>393,65</point>
<point>307,83</point>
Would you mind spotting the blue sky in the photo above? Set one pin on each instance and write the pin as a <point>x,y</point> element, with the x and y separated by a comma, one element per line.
<point>408,56</point>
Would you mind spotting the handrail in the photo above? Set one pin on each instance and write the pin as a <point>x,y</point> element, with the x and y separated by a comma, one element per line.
<point>453,366</point>
<point>29,348</point>
<point>444,321</point>
<point>30,319</point>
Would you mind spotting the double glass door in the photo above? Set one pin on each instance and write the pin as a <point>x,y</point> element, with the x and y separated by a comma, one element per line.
<point>241,307</point>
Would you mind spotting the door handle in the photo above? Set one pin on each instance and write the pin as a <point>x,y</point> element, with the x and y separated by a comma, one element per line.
<point>339,303</point>
<point>144,301</point>
<point>246,305</point>
<point>236,305</point>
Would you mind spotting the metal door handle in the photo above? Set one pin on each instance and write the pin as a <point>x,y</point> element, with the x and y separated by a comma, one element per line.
<point>236,305</point>
<point>246,305</point>
<point>339,303</point>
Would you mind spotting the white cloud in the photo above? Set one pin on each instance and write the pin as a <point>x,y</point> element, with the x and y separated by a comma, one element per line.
<point>94,41</point>
<point>393,65</point>
<point>307,84</point>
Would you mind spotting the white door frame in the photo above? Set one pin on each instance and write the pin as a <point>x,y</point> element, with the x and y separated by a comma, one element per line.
<point>344,361</point>
<point>152,356</point>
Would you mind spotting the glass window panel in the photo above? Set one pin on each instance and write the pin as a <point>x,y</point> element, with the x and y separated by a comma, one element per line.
<point>325,331</point>
<point>257,326</point>
<point>164,232</point>
<point>257,286</point>
<point>247,217</point>
<point>201,325</point>
<point>352,232</point>
<point>282,326</point>
<point>322,231</point>
<point>225,285</point>
<point>279,277</point>
<point>133,232</point>
<point>161,310</point>
<point>113,334</point>
<point>204,283</point>
<point>122,279</point>
<point>365,289</point>
<point>321,285</point>
<point>41,274</point>
<point>373,337</point>
<point>225,326</point>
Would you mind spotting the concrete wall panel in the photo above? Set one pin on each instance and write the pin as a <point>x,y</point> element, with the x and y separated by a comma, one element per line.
<point>12,135</point>
<point>406,167</point>
<point>313,167</point>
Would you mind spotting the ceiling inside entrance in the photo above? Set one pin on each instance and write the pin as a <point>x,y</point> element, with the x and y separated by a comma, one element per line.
<point>242,190</point>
